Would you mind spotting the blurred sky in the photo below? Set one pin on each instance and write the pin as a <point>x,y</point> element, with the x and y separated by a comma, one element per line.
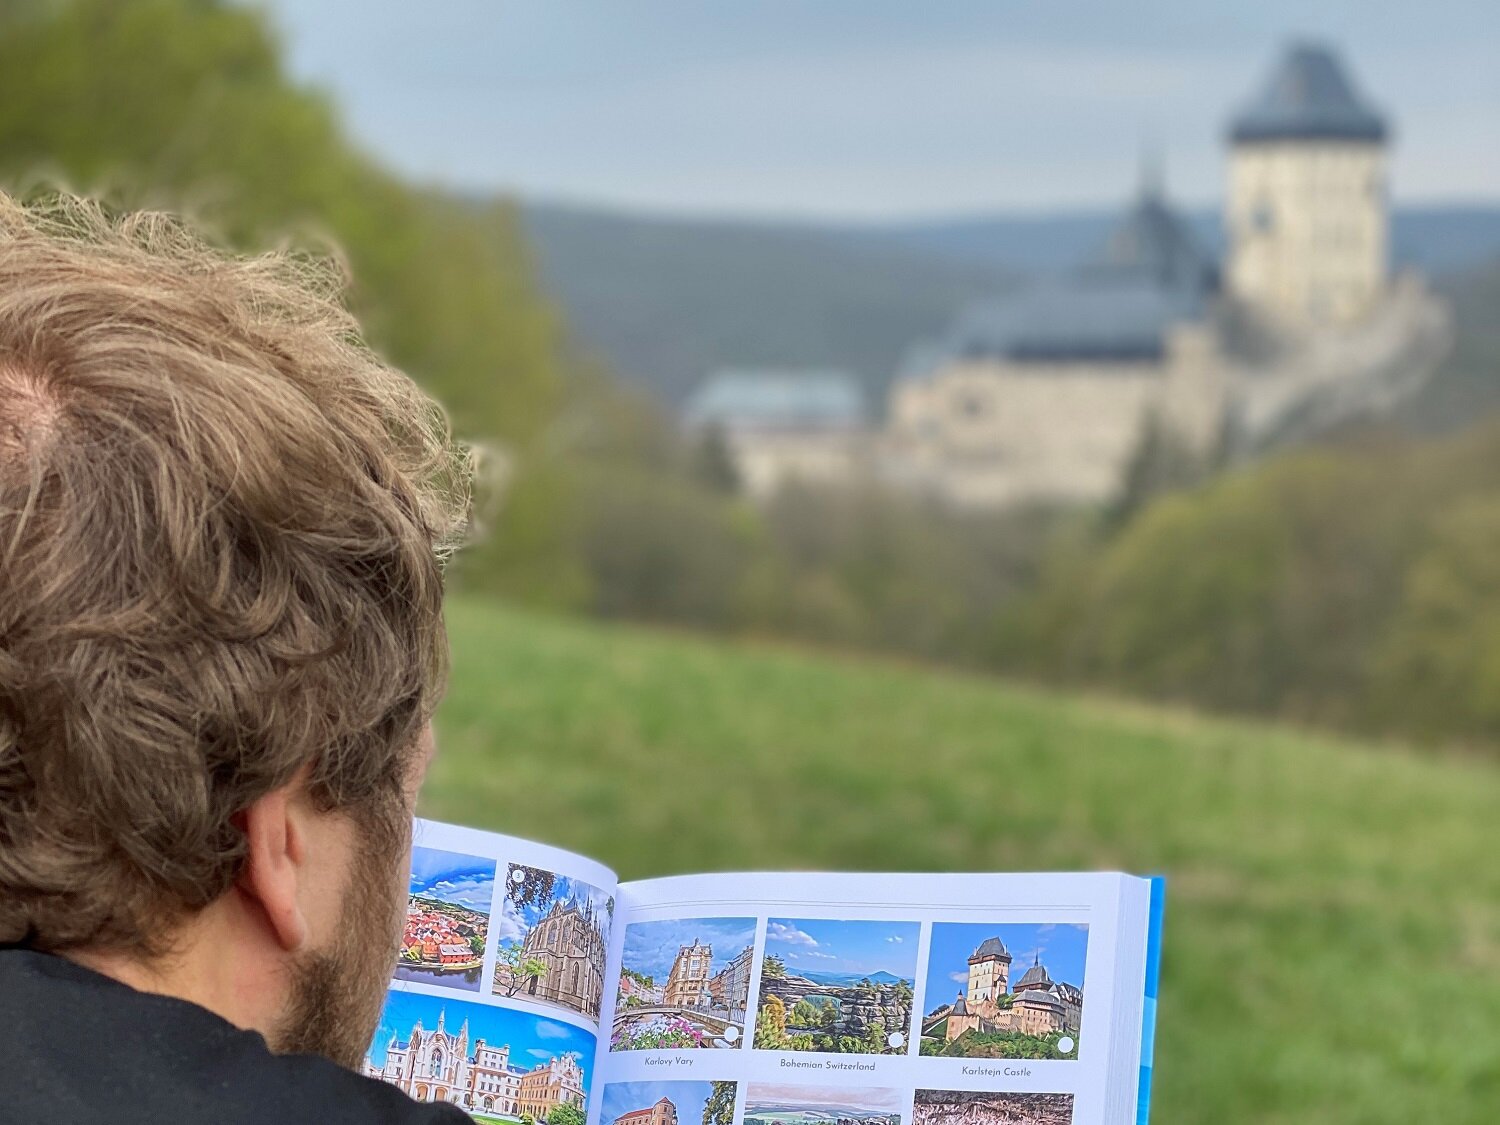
<point>875,108</point>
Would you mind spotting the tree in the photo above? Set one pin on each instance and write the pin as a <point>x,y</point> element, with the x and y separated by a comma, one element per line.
<point>713,461</point>
<point>518,969</point>
<point>804,1014</point>
<point>719,1108</point>
<point>534,888</point>
<point>770,1026</point>
<point>773,967</point>
<point>565,1113</point>
<point>1160,463</point>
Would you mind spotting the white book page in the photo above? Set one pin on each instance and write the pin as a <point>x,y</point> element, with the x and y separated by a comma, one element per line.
<point>503,970</point>
<point>813,999</point>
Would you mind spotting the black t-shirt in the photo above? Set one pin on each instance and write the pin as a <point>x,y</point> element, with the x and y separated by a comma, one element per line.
<point>78,1046</point>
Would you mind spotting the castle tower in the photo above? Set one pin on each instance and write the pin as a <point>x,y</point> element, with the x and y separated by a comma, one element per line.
<point>989,972</point>
<point>1306,214</point>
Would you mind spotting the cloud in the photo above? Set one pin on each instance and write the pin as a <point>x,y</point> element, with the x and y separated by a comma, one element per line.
<point>790,935</point>
<point>961,978</point>
<point>821,956</point>
<point>509,923</point>
<point>651,947</point>
<point>897,938</point>
<point>546,1029</point>
<point>541,1053</point>
<point>472,889</point>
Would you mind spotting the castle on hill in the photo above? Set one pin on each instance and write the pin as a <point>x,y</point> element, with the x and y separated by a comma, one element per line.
<point>1047,394</point>
<point>1035,1005</point>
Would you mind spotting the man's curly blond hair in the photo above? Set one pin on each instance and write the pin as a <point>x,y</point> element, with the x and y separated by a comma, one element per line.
<point>223,522</point>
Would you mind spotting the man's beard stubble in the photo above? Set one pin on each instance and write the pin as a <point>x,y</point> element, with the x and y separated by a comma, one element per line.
<point>337,994</point>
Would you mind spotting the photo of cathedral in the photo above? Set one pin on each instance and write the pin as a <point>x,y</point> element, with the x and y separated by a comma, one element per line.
<point>494,1063</point>
<point>554,935</point>
<point>1017,990</point>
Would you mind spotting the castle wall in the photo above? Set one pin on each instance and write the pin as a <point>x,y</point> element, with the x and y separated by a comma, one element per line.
<point>994,433</point>
<point>1307,229</point>
<point>765,460</point>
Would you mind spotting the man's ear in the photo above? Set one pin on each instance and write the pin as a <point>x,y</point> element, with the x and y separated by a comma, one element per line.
<point>276,849</point>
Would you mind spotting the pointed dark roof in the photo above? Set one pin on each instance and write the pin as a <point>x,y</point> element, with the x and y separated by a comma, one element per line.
<point>1308,97</point>
<point>960,1007</point>
<point>991,947</point>
<point>1034,977</point>
<point>1152,242</point>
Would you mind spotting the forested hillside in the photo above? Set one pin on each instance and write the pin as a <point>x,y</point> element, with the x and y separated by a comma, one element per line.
<point>186,105</point>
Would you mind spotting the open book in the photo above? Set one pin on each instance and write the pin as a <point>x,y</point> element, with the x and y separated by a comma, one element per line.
<point>533,986</point>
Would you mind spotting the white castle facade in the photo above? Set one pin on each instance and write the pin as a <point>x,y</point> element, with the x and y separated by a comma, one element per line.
<point>439,1065</point>
<point>1045,395</point>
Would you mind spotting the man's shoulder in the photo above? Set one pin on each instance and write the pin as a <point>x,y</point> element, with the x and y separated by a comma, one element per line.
<point>80,1046</point>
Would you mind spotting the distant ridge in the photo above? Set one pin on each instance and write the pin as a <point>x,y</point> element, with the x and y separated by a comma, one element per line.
<point>664,301</point>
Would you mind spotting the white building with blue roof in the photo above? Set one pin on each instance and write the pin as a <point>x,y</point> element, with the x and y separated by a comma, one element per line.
<point>785,426</point>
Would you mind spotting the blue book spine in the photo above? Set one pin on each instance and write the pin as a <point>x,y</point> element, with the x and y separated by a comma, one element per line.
<point>1153,978</point>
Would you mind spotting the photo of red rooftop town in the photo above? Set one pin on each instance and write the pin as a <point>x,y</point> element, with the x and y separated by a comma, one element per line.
<point>447,919</point>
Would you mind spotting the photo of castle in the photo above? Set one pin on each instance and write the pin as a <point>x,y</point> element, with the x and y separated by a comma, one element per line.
<point>447,918</point>
<point>497,1064</point>
<point>817,1105</point>
<point>684,983</point>
<point>553,938</point>
<point>1017,990</point>
<point>667,1103</point>
<point>837,986</point>
<point>958,1107</point>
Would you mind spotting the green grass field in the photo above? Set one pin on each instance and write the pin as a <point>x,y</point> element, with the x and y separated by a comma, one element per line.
<point>1333,910</point>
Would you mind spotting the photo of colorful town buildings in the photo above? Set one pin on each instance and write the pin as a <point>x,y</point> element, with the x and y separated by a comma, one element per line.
<point>845,987</point>
<point>447,918</point>
<point>968,1107</point>
<point>1007,991</point>
<point>684,983</point>
<point>553,936</point>
<point>497,1064</point>
<point>667,1103</point>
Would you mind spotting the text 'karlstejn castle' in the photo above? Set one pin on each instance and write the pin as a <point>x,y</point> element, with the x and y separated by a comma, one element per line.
<point>1046,395</point>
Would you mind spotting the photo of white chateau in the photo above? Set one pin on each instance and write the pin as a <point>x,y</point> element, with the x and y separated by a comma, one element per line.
<point>477,1065</point>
